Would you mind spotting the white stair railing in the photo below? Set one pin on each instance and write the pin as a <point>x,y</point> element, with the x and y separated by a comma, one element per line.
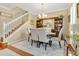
<point>11,26</point>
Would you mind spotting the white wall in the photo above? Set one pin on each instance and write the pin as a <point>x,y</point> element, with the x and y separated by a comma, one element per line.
<point>73,18</point>
<point>73,22</point>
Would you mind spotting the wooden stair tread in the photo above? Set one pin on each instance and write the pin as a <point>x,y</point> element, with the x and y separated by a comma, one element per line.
<point>71,48</point>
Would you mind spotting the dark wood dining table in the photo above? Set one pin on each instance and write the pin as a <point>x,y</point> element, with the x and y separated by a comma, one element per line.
<point>50,35</point>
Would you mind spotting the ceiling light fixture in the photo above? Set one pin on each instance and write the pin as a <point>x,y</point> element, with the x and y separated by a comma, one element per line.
<point>42,15</point>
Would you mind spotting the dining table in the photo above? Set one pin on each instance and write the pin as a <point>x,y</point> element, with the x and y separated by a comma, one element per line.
<point>50,35</point>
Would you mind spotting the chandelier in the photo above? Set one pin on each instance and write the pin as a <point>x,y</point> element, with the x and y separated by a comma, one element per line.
<point>42,14</point>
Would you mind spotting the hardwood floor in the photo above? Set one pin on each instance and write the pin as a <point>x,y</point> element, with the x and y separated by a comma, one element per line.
<point>18,51</point>
<point>3,46</point>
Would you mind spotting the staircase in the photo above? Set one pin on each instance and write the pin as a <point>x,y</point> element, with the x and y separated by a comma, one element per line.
<point>12,28</point>
<point>10,21</point>
<point>15,25</point>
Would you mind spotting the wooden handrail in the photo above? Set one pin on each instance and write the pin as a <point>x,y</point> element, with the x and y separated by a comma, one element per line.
<point>71,48</point>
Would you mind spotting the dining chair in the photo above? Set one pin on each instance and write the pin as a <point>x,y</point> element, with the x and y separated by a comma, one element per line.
<point>29,34</point>
<point>60,36</point>
<point>43,37</point>
<point>34,36</point>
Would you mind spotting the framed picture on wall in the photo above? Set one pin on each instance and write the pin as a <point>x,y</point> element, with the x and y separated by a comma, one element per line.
<point>78,10</point>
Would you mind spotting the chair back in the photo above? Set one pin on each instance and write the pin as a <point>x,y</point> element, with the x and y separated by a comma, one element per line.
<point>60,33</point>
<point>42,35</point>
<point>34,34</point>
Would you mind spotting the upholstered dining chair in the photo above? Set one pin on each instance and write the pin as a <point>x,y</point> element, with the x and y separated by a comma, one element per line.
<point>29,34</point>
<point>34,36</point>
<point>43,37</point>
<point>59,37</point>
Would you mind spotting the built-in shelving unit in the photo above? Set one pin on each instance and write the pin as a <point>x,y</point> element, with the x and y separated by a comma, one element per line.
<point>58,24</point>
<point>39,23</point>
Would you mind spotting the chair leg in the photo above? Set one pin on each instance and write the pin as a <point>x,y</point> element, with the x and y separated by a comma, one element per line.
<point>28,39</point>
<point>65,42</point>
<point>37,43</point>
<point>67,51</point>
<point>59,44</point>
<point>50,43</point>
<point>76,48</point>
<point>31,42</point>
<point>45,46</point>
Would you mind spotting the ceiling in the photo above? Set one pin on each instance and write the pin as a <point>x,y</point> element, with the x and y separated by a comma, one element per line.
<point>37,8</point>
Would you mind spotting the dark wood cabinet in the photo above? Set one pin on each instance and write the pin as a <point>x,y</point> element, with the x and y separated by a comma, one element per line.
<point>58,23</point>
<point>39,23</point>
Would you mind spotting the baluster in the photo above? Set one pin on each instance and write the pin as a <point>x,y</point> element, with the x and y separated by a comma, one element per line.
<point>4,31</point>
